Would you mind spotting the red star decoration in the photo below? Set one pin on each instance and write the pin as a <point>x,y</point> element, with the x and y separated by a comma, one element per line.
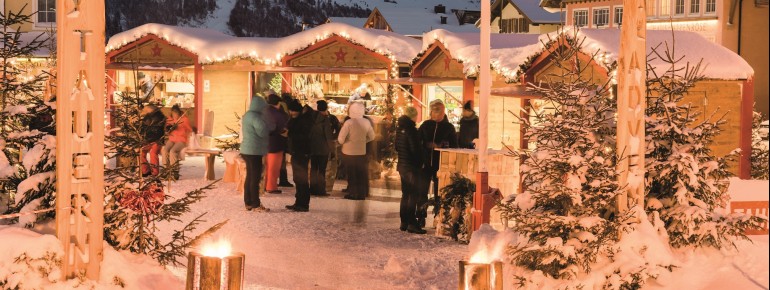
<point>447,61</point>
<point>156,50</point>
<point>340,55</point>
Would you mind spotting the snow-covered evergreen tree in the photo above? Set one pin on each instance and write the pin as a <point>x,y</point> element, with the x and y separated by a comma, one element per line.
<point>27,127</point>
<point>760,153</point>
<point>686,183</point>
<point>135,204</point>
<point>565,212</point>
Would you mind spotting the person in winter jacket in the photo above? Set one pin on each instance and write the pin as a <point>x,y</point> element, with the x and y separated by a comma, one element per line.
<point>409,149</point>
<point>153,130</point>
<point>322,138</point>
<point>299,148</point>
<point>435,133</point>
<point>354,136</point>
<point>277,143</point>
<point>255,130</point>
<point>177,138</point>
<point>333,163</point>
<point>469,127</point>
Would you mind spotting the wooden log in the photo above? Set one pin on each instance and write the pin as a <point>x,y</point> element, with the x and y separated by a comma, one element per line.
<point>214,273</point>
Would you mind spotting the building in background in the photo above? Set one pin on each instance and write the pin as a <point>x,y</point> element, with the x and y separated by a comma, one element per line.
<point>739,25</point>
<point>524,16</point>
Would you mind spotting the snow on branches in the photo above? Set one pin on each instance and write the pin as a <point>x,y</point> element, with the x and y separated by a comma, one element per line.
<point>686,182</point>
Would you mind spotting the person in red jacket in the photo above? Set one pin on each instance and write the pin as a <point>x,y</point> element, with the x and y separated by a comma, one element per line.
<point>177,138</point>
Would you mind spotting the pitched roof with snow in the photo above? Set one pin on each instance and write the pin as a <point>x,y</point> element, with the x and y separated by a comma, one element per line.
<point>213,46</point>
<point>417,17</point>
<point>508,50</point>
<point>718,61</point>
<point>535,13</point>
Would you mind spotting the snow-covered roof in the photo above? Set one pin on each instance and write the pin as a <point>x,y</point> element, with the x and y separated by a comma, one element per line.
<point>718,61</point>
<point>212,46</point>
<point>417,17</point>
<point>352,21</point>
<point>508,50</point>
<point>535,13</point>
<point>399,47</point>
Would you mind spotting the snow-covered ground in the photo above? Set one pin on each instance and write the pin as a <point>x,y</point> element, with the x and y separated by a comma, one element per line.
<point>343,244</point>
<point>339,244</point>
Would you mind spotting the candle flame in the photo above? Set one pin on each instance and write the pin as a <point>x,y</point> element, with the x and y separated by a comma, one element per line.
<point>220,248</point>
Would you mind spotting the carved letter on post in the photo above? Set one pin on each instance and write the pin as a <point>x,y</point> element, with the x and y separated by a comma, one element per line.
<point>632,76</point>
<point>80,135</point>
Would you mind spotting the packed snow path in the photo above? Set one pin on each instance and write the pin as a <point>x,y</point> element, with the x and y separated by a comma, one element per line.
<point>339,244</point>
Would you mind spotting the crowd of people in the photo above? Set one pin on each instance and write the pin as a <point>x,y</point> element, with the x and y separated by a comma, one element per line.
<point>276,126</point>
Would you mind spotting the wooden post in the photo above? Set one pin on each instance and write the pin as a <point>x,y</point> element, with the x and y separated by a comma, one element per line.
<point>632,91</point>
<point>485,87</point>
<point>80,135</point>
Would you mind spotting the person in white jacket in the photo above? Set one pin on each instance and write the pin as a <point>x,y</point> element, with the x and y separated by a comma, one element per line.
<point>355,133</point>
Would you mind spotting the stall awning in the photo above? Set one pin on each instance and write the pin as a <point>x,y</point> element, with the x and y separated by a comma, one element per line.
<point>325,70</point>
<point>141,66</point>
<point>416,81</point>
<point>515,91</point>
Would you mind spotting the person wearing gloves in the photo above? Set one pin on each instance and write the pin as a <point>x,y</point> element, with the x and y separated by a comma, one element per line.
<point>255,128</point>
<point>469,127</point>
<point>409,149</point>
<point>354,135</point>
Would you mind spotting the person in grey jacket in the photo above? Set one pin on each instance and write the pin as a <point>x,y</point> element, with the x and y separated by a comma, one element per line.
<point>256,128</point>
<point>354,135</point>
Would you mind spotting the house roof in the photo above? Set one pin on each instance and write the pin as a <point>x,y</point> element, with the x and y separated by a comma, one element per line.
<point>415,18</point>
<point>352,21</point>
<point>532,10</point>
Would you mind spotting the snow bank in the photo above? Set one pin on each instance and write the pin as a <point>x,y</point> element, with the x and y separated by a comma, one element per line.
<point>212,46</point>
<point>39,256</point>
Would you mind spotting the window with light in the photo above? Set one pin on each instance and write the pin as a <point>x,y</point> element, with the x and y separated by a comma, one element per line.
<point>665,8</point>
<point>650,7</point>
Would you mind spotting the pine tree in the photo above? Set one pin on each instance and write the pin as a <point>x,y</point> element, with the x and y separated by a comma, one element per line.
<point>565,212</point>
<point>136,204</point>
<point>686,183</point>
<point>760,156</point>
<point>27,127</point>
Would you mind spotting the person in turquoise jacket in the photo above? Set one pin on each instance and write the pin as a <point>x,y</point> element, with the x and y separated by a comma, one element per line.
<point>255,131</point>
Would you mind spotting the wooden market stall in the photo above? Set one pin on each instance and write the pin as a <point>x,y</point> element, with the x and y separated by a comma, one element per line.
<point>334,61</point>
<point>191,67</point>
<point>727,87</point>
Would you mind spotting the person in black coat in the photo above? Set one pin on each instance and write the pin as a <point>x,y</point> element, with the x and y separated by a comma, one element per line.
<point>300,150</point>
<point>435,133</point>
<point>153,129</point>
<point>469,127</point>
<point>409,149</point>
<point>322,137</point>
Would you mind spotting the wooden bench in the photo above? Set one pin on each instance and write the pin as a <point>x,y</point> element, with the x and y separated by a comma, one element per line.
<point>210,155</point>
